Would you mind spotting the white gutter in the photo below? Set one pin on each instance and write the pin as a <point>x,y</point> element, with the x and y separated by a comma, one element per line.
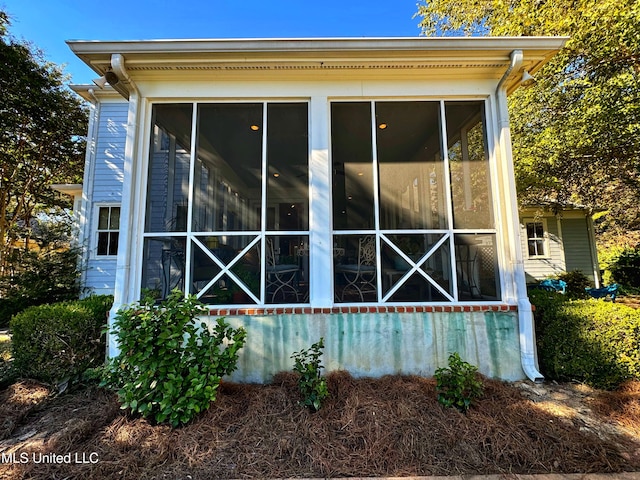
<point>122,294</point>
<point>528,353</point>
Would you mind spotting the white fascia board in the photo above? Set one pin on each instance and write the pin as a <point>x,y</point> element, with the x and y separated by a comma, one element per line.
<point>289,45</point>
<point>97,54</point>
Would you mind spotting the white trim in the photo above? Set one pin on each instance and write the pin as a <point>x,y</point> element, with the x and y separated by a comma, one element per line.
<point>86,206</point>
<point>545,237</point>
<point>95,230</point>
<point>320,219</point>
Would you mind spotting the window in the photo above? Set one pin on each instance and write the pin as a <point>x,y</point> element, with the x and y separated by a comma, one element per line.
<point>412,220</point>
<point>536,239</point>
<point>108,230</point>
<point>227,210</point>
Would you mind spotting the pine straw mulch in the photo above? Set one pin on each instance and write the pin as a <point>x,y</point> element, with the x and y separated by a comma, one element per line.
<point>391,426</point>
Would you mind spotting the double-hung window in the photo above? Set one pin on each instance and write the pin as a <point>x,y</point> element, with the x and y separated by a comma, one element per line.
<point>536,239</point>
<point>108,231</point>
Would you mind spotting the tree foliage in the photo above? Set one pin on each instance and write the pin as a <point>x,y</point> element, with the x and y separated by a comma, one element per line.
<point>42,125</point>
<point>576,133</point>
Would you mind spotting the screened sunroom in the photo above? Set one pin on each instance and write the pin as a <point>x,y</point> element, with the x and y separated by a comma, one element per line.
<point>410,206</point>
<point>360,190</point>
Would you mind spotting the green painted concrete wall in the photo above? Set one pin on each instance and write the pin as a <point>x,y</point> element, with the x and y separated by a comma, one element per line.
<point>372,345</point>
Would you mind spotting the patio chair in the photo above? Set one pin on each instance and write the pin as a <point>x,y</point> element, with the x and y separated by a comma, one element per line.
<point>281,277</point>
<point>360,277</point>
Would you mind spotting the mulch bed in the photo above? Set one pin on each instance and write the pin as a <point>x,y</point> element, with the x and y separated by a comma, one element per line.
<point>391,426</point>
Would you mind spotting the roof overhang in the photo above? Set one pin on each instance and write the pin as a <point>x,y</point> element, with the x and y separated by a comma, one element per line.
<point>71,189</point>
<point>468,57</point>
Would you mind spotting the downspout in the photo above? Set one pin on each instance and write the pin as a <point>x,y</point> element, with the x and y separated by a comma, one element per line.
<point>528,354</point>
<point>123,269</point>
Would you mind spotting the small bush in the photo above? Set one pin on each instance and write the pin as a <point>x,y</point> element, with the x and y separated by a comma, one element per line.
<point>311,383</point>
<point>458,385</point>
<point>625,268</point>
<point>169,367</point>
<point>58,342</point>
<point>38,278</point>
<point>590,341</point>
<point>576,283</point>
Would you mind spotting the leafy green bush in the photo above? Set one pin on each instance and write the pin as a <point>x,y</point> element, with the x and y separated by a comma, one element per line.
<point>590,341</point>
<point>312,385</point>
<point>38,277</point>
<point>169,367</point>
<point>58,342</point>
<point>458,384</point>
<point>576,283</point>
<point>625,268</point>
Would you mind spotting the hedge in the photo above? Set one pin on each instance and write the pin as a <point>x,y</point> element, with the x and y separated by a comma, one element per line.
<point>590,341</point>
<point>58,342</point>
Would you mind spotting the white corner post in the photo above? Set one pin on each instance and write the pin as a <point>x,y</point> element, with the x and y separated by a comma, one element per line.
<point>122,290</point>
<point>528,353</point>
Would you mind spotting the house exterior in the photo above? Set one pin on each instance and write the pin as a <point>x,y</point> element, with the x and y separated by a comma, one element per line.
<point>558,239</point>
<point>360,190</point>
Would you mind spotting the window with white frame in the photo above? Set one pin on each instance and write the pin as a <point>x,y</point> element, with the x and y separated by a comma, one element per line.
<point>227,205</point>
<point>108,230</point>
<point>536,238</point>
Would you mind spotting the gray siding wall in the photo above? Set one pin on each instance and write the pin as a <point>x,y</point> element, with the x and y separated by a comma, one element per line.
<point>577,244</point>
<point>106,188</point>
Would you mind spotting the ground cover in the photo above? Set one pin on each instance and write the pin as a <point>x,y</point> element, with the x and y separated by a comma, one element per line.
<point>367,427</point>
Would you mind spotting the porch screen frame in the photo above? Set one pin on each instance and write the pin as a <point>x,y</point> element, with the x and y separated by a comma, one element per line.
<point>449,233</point>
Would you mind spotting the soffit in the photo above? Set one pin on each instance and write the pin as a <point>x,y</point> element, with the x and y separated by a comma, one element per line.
<point>471,57</point>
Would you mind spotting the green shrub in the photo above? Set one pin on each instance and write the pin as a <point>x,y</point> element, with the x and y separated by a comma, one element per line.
<point>458,384</point>
<point>170,366</point>
<point>576,283</point>
<point>58,342</point>
<point>625,268</point>
<point>37,278</point>
<point>590,341</point>
<point>312,385</point>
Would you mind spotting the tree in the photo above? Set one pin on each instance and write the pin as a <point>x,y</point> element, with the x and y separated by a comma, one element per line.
<point>576,133</point>
<point>42,125</point>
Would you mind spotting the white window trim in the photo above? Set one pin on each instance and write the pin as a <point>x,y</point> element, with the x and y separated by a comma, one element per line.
<point>96,231</point>
<point>545,235</point>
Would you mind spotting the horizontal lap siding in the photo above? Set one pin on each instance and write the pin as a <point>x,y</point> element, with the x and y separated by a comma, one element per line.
<point>537,269</point>
<point>577,244</point>
<point>109,168</point>
<point>107,181</point>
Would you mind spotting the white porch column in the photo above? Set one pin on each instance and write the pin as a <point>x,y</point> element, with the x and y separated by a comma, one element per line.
<point>320,239</point>
<point>122,290</point>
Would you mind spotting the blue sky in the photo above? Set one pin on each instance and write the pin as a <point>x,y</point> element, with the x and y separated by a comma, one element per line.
<point>48,23</point>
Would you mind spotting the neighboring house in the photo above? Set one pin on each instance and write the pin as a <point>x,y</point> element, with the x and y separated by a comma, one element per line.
<point>558,239</point>
<point>359,190</point>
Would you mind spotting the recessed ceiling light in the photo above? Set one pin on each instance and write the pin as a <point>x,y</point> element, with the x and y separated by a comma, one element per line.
<point>382,126</point>
<point>255,128</point>
<point>276,174</point>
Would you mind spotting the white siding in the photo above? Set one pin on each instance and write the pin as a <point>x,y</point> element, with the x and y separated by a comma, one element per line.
<point>538,268</point>
<point>106,178</point>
